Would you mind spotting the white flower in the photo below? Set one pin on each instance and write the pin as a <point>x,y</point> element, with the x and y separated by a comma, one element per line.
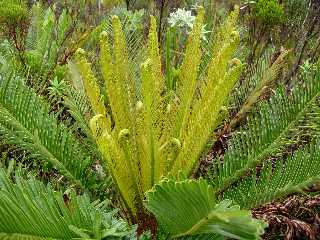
<point>181,18</point>
<point>184,19</point>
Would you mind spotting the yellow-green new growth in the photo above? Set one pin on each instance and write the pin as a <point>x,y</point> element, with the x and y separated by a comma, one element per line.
<point>161,132</point>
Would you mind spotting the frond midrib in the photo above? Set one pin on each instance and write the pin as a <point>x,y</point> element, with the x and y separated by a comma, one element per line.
<point>260,157</point>
<point>198,225</point>
<point>51,158</point>
<point>284,191</point>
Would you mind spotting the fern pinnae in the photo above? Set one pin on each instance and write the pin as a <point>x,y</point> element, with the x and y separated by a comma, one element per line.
<point>203,118</point>
<point>225,31</point>
<point>92,89</point>
<point>118,155</point>
<point>143,151</point>
<point>260,79</point>
<point>129,157</point>
<point>188,74</point>
<point>245,153</point>
<point>292,175</point>
<point>205,121</point>
<point>156,84</point>
<point>122,80</point>
<point>111,85</point>
<point>148,92</point>
<point>154,55</point>
<point>26,122</point>
<point>115,159</point>
<point>77,106</point>
<point>31,210</point>
<point>151,91</point>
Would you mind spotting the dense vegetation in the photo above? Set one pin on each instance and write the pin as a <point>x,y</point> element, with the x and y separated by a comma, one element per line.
<point>159,119</point>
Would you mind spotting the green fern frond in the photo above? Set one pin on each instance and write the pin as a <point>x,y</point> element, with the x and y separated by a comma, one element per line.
<point>124,83</point>
<point>262,79</point>
<point>25,121</point>
<point>292,175</point>
<point>189,208</point>
<point>44,38</point>
<point>46,44</point>
<point>204,111</point>
<point>77,104</point>
<point>217,40</point>
<point>63,25</point>
<point>7,61</point>
<point>34,30</point>
<point>254,74</point>
<point>267,132</point>
<point>31,210</point>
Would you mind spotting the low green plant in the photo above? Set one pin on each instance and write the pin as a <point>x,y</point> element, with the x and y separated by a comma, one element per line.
<point>45,44</point>
<point>269,12</point>
<point>12,13</point>
<point>14,18</point>
<point>40,133</point>
<point>47,214</point>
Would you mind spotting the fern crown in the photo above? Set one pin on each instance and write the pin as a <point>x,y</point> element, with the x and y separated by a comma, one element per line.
<point>153,132</point>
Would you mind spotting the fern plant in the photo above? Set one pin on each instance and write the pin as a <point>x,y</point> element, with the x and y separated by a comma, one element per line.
<point>273,128</point>
<point>162,132</point>
<point>45,42</point>
<point>151,140</point>
<point>25,121</point>
<point>31,210</point>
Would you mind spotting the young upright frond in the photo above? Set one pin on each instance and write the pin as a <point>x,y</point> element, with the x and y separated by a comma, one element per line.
<point>156,131</point>
<point>188,73</point>
<point>204,112</point>
<point>122,78</point>
<point>258,82</point>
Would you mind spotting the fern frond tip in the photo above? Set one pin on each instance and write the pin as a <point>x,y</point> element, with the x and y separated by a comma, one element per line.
<point>146,64</point>
<point>236,8</point>
<point>115,21</point>
<point>235,62</point>
<point>123,134</point>
<point>139,106</point>
<point>103,35</point>
<point>80,52</point>
<point>153,21</point>
<point>235,35</point>
<point>94,124</point>
<point>201,10</point>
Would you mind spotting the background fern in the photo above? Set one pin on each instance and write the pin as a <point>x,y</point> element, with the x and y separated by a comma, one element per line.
<point>25,121</point>
<point>278,179</point>
<point>31,210</point>
<point>267,132</point>
<point>256,168</point>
